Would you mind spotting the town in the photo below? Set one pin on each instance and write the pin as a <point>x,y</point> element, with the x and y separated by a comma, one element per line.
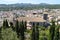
<point>43,16</point>
<point>30,24</point>
<point>29,19</point>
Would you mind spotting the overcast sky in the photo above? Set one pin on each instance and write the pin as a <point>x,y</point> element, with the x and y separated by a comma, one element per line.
<point>29,1</point>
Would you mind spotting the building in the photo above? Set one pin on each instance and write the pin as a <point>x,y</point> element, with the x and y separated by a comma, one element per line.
<point>33,20</point>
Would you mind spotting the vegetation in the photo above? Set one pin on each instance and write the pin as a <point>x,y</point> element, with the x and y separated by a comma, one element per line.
<point>20,31</point>
<point>8,34</point>
<point>35,32</point>
<point>4,7</point>
<point>52,30</point>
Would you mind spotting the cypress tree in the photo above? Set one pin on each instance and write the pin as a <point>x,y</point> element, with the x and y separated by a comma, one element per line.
<point>0,33</point>
<point>5,24</point>
<point>17,27</point>
<point>22,30</point>
<point>12,26</point>
<point>52,30</point>
<point>57,33</point>
<point>25,23</point>
<point>35,32</point>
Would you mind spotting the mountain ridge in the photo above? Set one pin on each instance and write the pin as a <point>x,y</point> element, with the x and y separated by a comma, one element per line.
<point>28,6</point>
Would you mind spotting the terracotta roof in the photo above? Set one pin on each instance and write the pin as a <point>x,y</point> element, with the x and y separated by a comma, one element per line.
<point>31,19</point>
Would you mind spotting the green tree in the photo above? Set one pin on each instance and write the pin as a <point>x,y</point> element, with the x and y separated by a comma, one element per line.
<point>17,27</point>
<point>35,32</point>
<point>8,34</point>
<point>5,24</point>
<point>52,30</point>
<point>12,26</point>
<point>0,33</point>
<point>25,23</point>
<point>57,33</point>
<point>22,30</point>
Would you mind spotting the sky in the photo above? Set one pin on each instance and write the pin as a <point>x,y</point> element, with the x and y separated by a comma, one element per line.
<point>29,1</point>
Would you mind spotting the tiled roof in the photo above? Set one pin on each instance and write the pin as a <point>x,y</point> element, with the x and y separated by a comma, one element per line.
<point>31,19</point>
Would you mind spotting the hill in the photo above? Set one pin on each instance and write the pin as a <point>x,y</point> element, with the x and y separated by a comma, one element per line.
<point>28,6</point>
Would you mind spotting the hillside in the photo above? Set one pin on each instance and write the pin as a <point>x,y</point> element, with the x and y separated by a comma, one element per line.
<point>28,6</point>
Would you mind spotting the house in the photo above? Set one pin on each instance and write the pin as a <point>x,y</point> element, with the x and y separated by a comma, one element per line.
<point>33,20</point>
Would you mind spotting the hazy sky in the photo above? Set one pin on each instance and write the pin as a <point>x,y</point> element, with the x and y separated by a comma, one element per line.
<point>29,1</point>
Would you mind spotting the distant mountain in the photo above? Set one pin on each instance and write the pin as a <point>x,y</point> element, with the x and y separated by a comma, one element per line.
<point>27,6</point>
<point>44,4</point>
<point>3,5</point>
<point>21,4</point>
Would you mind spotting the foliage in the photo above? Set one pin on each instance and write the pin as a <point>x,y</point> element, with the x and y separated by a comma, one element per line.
<point>52,30</point>
<point>5,24</point>
<point>8,34</point>
<point>20,31</point>
<point>35,32</point>
<point>17,27</point>
<point>12,26</point>
<point>57,32</point>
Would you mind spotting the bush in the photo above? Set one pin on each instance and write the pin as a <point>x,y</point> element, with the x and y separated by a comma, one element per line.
<point>8,34</point>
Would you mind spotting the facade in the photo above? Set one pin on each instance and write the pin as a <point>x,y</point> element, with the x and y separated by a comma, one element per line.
<point>33,20</point>
<point>32,16</point>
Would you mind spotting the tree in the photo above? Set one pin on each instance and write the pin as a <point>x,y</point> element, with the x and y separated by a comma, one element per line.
<point>12,26</point>
<point>52,30</point>
<point>8,34</point>
<point>17,27</point>
<point>57,33</point>
<point>35,32</point>
<point>25,23</point>
<point>0,33</point>
<point>5,24</point>
<point>22,30</point>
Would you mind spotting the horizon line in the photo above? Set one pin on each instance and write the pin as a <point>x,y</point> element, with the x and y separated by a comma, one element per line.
<point>27,3</point>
